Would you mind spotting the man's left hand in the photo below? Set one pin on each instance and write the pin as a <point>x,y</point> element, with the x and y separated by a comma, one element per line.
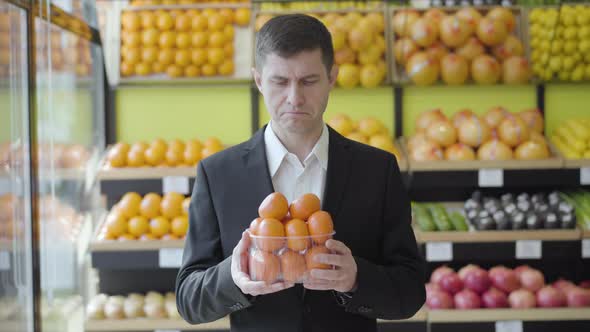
<point>342,278</point>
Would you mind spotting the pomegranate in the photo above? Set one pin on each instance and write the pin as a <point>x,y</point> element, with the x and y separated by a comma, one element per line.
<point>504,15</point>
<point>510,47</point>
<point>521,268</point>
<point>485,70</point>
<point>531,279</point>
<point>460,117</point>
<point>454,69</point>
<point>522,299</point>
<point>424,32</point>
<point>491,32</point>
<point>451,283</point>
<point>426,118</point>
<point>439,272</point>
<point>494,116</point>
<point>403,21</point>
<point>578,297</point>
<point>469,15</point>
<point>533,119</point>
<point>516,70</point>
<point>551,297</point>
<point>467,299</point>
<point>494,298</point>
<point>504,279</point>
<point>403,49</point>
<point>466,269</point>
<point>531,150</point>
<point>472,49</point>
<point>494,150</point>
<point>434,15</point>
<point>437,50</point>
<point>513,131</point>
<point>442,132</point>
<point>454,31</point>
<point>474,132</point>
<point>423,69</point>
<point>459,151</point>
<point>431,287</point>
<point>439,300</point>
<point>563,285</point>
<point>477,280</point>
<point>426,151</point>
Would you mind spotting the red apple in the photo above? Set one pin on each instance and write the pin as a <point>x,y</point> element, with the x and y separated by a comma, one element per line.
<point>494,298</point>
<point>522,299</point>
<point>563,285</point>
<point>466,269</point>
<point>451,283</point>
<point>467,299</point>
<point>551,297</point>
<point>532,279</point>
<point>431,287</point>
<point>519,269</point>
<point>578,297</point>
<point>504,279</point>
<point>477,280</point>
<point>439,272</point>
<point>439,300</point>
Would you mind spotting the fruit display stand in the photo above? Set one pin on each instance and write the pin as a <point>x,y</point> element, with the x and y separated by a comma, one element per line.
<point>144,324</point>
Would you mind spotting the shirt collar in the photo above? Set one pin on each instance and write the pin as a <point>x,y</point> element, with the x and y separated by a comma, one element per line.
<point>276,151</point>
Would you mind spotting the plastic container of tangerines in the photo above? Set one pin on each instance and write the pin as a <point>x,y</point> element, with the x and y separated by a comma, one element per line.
<point>286,237</point>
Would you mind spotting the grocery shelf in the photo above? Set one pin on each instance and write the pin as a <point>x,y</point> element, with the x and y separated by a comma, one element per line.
<point>136,245</point>
<point>498,236</point>
<point>490,315</point>
<point>576,163</point>
<point>56,174</point>
<point>131,173</point>
<point>136,254</point>
<point>146,324</point>
<point>586,233</point>
<point>550,163</point>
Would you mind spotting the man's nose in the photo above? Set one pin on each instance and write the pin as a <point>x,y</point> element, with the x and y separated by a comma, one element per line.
<point>295,96</point>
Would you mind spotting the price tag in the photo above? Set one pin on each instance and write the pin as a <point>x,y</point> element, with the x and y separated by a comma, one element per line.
<point>4,261</point>
<point>170,257</point>
<point>528,249</point>
<point>439,251</point>
<point>585,175</point>
<point>491,177</point>
<point>509,326</point>
<point>177,184</point>
<point>586,248</point>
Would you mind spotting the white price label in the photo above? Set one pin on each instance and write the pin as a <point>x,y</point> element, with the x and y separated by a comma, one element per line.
<point>585,175</point>
<point>491,177</point>
<point>4,261</point>
<point>586,248</point>
<point>439,251</point>
<point>528,249</point>
<point>178,184</point>
<point>509,326</point>
<point>170,257</point>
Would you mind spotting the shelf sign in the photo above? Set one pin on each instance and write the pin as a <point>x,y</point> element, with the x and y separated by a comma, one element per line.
<point>178,184</point>
<point>586,248</point>
<point>528,249</point>
<point>4,261</point>
<point>170,257</point>
<point>439,251</point>
<point>509,326</point>
<point>491,177</point>
<point>585,175</point>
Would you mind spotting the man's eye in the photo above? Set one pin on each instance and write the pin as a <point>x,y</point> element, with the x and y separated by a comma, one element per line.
<point>280,82</point>
<point>310,82</point>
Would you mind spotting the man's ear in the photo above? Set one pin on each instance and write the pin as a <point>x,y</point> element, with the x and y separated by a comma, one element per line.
<point>333,75</point>
<point>257,79</point>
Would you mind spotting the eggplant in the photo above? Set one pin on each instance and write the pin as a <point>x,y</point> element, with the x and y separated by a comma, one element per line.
<point>501,219</point>
<point>533,221</point>
<point>518,220</point>
<point>568,220</point>
<point>552,221</point>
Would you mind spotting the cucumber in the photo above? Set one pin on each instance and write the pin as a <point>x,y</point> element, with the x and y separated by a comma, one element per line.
<point>423,218</point>
<point>458,221</point>
<point>440,217</point>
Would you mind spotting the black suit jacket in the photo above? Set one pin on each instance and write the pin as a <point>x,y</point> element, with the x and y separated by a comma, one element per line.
<point>371,212</point>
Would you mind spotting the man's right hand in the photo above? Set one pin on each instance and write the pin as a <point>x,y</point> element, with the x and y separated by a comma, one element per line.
<point>241,277</point>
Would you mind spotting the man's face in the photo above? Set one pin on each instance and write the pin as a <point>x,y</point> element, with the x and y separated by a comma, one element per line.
<point>295,90</point>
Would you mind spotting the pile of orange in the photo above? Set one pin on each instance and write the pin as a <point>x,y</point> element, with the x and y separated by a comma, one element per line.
<point>160,153</point>
<point>359,46</point>
<point>150,217</point>
<point>367,130</point>
<point>286,238</point>
<point>179,42</point>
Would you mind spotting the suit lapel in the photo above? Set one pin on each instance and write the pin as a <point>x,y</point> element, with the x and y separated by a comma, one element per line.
<point>257,172</point>
<point>339,163</point>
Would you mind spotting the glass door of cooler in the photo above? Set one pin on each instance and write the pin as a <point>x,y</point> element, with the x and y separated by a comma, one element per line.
<point>16,291</point>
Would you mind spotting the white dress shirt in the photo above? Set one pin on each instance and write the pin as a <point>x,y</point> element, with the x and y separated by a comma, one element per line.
<point>291,177</point>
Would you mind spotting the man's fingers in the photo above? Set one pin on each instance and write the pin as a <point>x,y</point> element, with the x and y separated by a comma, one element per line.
<point>331,259</point>
<point>338,247</point>
<point>318,285</point>
<point>335,275</point>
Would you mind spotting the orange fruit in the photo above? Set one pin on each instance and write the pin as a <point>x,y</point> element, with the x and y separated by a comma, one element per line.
<point>126,237</point>
<point>174,71</point>
<point>310,260</point>
<point>192,71</point>
<point>159,143</point>
<point>166,57</point>
<point>208,70</point>
<point>130,21</point>
<point>116,224</point>
<point>129,204</point>
<point>215,55</point>
<point>183,40</point>
<point>159,226</point>
<point>229,32</point>
<point>228,50</point>
<point>183,22</point>
<point>264,266</point>
<point>274,206</point>
<point>192,12</point>
<point>147,237</point>
<point>148,19</point>
<point>176,145</point>
<point>199,39</point>
<point>192,153</point>
<point>164,21</point>
<point>199,23</point>
<point>127,69</point>
<point>169,237</point>
<point>131,39</point>
<point>228,15</point>
<point>180,226</point>
<point>242,16</point>
<point>143,69</point>
<point>117,155</point>
<point>138,225</point>
<point>226,68</point>
<point>215,22</point>
<point>213,142</point>
<point>167,39</point>
<point>254,226</point>
<point>158,67</point>
<point>320,223</point>
<point>130,55</point>
<point>272,234</point>
<point>182,58</point>
<point>295,229</point>
<point>150,37</point>
<point>176,12</point>
<point>293,266</point>
<point>185,206</point>
<point>171,205</point>
<point>150,205</point>
<point>174,157</point>
<point>149,54</point>
<point>216,39</point>
<point>135,157</point>
<point>303,207</point>
<point>154,155</point>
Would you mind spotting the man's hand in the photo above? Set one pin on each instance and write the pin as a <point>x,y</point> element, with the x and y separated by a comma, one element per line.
<point>343,278</point>
<point>241,277</point>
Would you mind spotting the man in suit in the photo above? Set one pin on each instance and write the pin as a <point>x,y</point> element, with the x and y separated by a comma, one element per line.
<point>379,272</point>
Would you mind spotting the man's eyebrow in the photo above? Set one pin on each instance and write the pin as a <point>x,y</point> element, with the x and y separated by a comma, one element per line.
<point>278,77</point>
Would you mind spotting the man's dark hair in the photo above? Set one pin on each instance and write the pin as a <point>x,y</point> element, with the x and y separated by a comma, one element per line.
<point>287,35</point>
